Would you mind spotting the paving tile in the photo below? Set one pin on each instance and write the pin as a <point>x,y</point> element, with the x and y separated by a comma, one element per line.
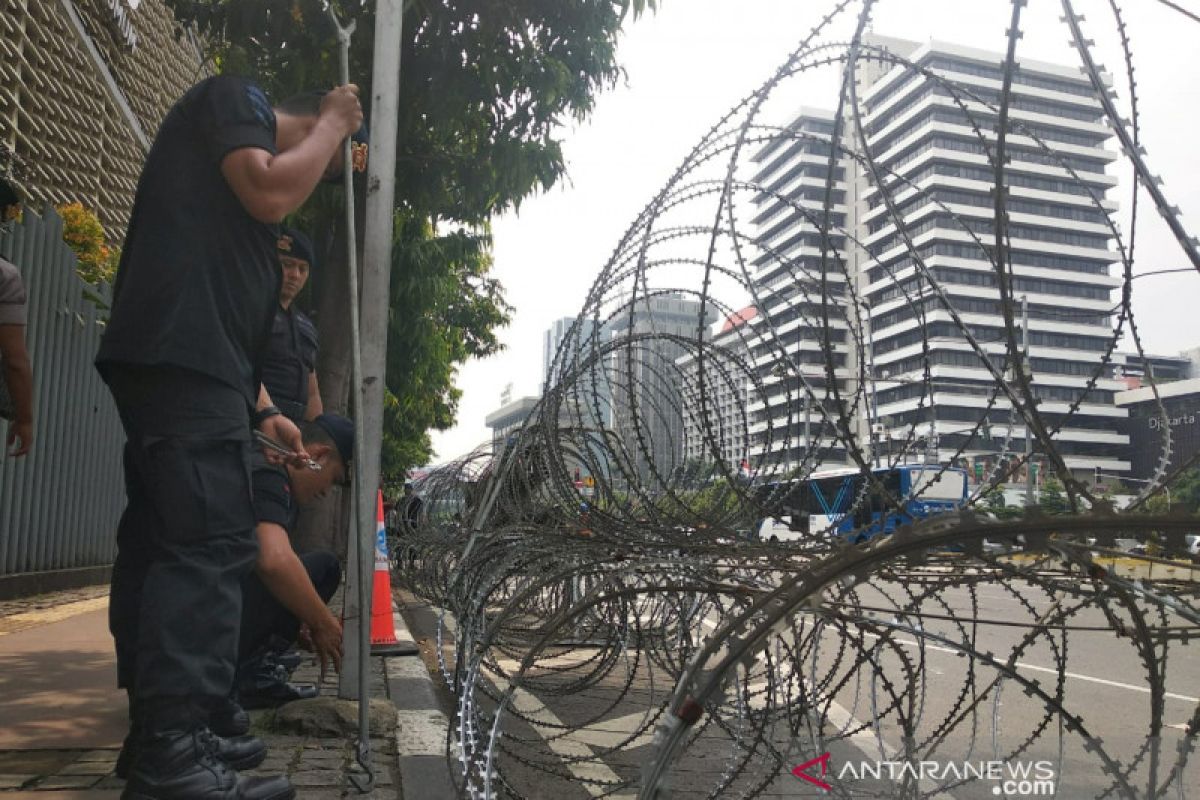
<point>97,768</point>
<point>68,782</point>
<point>15,781</point>
<point>317,778</point>
<point>321,794</point>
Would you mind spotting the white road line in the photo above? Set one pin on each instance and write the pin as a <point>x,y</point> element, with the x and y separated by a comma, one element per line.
<point>1074,675</point>
<point>568,746</point>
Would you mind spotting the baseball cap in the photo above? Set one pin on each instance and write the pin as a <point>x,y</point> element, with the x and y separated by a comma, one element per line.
<point>341,430</point>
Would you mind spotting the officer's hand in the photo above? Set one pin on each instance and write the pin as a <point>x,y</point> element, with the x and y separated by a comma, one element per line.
<point>327,644</point>
<point>341,106</point>
<point>20,438</point>
<point>284,431</point>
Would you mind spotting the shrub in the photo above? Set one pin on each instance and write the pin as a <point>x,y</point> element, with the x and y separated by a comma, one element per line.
<point>84,234</point>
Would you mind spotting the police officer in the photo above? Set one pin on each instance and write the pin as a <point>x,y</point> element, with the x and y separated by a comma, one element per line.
<point>287,589</point>
<point>290,364</point>
<point>193,301</point>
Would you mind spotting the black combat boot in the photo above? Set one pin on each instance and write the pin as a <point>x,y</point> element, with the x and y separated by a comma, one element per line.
<point>227,718</point>
<point>187,765</point>
<point>262,683</point>
<point>233,747</point>
<point>179,758</point>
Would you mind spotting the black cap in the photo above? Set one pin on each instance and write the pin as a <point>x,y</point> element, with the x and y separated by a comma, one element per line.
<point>341,430</point>
<point>295,244</point>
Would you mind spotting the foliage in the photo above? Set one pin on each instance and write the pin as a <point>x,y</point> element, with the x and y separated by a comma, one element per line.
<point>1185,491</point>
<point>1052,499</point>
<point>993,500</point>
<point>484,88</point>
<point>84,234</point>
<point>451,309</point>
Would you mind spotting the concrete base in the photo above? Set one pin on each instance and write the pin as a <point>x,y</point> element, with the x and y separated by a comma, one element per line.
<point>27,584</point>
<point>329,716</point>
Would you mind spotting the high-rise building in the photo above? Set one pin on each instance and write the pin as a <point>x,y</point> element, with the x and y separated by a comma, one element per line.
<point>588,333</point>
<point>800,289</point>
<point>646,382</point>
<point>925,141</point>
<point>716,399</point>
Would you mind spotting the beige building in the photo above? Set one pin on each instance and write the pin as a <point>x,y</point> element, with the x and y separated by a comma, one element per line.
<point>83,87</point>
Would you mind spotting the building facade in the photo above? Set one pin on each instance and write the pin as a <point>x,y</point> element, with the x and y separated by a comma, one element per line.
<point>648,338</point>
<point>84,85</point>
<point>924,140</point>
<point>1146,424</point>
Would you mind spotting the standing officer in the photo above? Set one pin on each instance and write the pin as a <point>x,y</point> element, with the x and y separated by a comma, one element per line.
<point>290,364</point>
<point>192,308</point>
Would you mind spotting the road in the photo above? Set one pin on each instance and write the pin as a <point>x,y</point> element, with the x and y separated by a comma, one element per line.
<point>569,734</point>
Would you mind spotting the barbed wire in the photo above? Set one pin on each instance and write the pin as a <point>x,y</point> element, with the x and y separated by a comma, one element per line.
<point>613,613</point>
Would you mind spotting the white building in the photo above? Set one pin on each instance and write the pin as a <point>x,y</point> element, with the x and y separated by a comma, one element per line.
<point>716,402</point>
<point>941,180</point>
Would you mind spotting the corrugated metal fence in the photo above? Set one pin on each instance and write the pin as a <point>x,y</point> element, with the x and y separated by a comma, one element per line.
<point>60,504</point>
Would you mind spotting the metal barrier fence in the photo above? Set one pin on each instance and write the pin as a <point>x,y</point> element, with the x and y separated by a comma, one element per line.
<point>59,505</point>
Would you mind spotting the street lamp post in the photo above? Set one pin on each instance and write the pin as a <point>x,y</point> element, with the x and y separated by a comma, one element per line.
<point>1028,367</point>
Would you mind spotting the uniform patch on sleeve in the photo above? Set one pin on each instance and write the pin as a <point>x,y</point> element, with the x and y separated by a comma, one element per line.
<point>261,106</point>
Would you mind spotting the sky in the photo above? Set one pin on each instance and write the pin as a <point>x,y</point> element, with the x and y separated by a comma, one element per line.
<point>690,62</point>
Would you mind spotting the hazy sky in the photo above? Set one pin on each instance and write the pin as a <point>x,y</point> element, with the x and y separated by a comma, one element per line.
<point>694,59</point>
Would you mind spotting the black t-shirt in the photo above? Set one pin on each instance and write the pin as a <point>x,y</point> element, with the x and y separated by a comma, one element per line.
<point>273,501</point>
<point>199,277</point>
<point>291,357</point>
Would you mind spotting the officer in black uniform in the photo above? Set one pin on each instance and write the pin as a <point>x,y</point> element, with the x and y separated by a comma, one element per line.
<point>286,589</point>
<point>192,308</point>
<point>290,364</point>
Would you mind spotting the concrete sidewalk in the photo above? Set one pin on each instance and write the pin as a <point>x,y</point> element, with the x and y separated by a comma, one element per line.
<point>62,719</point>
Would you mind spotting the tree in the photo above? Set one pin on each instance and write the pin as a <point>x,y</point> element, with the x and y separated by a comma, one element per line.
<point>1052,499</point>
<point>485,86</point>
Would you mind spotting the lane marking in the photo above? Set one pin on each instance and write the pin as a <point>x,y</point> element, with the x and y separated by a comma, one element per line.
<point>1034,667</point>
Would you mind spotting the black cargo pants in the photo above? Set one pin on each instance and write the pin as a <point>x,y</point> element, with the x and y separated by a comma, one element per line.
<point>186,540</point>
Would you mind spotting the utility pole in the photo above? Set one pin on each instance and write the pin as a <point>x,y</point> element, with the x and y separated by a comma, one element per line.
<point>1028,367</point>
<point>368,382</point>
<point>874,409</point>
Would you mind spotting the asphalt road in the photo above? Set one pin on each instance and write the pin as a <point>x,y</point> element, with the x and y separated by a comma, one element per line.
<point>565,737</point>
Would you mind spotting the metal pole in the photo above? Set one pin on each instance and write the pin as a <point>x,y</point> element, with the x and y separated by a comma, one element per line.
<point>874,408</point>
<point>807,429</point>
<point>379,233</point>
<point>358,593</point>
<point>1025,364</point>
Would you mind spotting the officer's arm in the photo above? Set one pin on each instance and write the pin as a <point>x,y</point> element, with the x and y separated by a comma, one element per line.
<point>286,579</point>
<point>272,186</point>
<point>314,408</point>
<point>15,359</point>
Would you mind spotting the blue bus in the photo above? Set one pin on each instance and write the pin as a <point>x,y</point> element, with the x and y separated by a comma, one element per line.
<point>824,503</point>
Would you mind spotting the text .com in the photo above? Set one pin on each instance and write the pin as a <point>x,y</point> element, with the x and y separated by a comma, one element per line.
<point>1008,778</point>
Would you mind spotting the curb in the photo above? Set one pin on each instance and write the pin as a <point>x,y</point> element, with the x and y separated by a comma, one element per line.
<point>422,729</point>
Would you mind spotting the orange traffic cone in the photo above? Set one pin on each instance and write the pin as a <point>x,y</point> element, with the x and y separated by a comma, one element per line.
<point>383,627</point>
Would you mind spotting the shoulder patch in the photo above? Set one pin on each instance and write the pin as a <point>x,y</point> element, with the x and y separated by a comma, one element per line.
<point>261,106</point>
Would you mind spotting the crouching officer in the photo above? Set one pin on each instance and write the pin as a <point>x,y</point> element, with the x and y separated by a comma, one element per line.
<point>287,590</point>
<point>290,363</point>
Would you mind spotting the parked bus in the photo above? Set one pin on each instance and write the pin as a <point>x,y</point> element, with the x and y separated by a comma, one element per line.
<point>822,504</point>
